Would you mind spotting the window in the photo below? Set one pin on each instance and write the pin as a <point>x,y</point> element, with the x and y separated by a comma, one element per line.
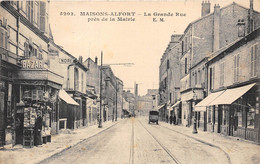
<point>82,79</point>
<point>168,64</point>
<point>221,76</point>
<point>186,66</point>
<point>236,68</point>
<point>36,16</point>
<point>76,80</point>
<point>3,38</point>
<point>199,77</point>
<point>241,28</point>
<point>253,60</point>
<point>185,44</point>
<point>29,10</point>
<point>211,80</point>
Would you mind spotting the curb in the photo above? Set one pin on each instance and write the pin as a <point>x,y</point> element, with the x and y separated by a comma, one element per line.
<point>79,142</point>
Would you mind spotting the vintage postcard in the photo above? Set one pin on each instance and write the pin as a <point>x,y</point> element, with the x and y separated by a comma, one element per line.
<point>124,82</point>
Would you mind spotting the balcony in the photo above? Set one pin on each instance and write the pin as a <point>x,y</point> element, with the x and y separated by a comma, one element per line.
<point>9,57</point>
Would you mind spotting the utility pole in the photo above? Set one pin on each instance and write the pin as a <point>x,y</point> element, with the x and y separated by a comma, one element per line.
<point>100,89</point>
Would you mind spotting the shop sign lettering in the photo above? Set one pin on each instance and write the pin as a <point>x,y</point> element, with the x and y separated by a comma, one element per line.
<point>32,64</point>
<point>65,61</point>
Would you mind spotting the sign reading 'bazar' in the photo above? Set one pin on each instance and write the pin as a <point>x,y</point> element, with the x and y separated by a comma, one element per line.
<point>32,63</point>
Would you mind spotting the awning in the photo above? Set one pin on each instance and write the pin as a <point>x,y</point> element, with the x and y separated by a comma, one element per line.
<point>177,103</point>
<point>64,96</point>
<point>201,106</point>
<point>231,95</point>
<point>160,107</point>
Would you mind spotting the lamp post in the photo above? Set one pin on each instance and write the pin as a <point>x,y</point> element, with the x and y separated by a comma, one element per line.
<point>100,89</point>
<point>195,119</point>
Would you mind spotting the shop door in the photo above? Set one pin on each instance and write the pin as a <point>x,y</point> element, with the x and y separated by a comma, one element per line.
<point>2,119</point>
<point>231,121</point>
<point>220,115</point>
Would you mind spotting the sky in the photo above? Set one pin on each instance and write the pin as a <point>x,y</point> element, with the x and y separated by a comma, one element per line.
<point>141,42</point>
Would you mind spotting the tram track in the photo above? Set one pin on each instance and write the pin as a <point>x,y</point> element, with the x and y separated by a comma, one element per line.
<point>162,146</point>
<point>201,141</point>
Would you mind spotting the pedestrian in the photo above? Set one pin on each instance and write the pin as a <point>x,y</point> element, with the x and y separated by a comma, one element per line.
<point>38,129</point>
<point>174,120</point>
<point>171,119</point>
<point>167,117</point>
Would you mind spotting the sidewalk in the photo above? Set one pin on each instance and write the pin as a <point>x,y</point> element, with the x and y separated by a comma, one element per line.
<point>239,151</point>
<point>59,143</point>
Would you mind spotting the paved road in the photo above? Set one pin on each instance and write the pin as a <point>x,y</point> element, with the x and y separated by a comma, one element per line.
<point>135,141</point>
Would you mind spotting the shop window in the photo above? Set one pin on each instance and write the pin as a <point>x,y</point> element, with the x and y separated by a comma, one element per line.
<point>238,115</point>
<point>216,115</point>
<point>224,119</point>
<point>236,68</point>
<point>251,118</point>
<point>253,60</point>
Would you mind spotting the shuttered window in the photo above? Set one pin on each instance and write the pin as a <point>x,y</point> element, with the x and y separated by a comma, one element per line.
<point>254,51</point>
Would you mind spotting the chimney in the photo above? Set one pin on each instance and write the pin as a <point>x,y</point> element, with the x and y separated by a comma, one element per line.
<point>216,24</point>
<point>80,59</point>
<point>205,8</point>
<point>96,60</point>
<point>251,18</point>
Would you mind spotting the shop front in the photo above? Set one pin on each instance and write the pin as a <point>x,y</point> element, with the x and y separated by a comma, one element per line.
<point>37,107</point>
<point>69,110</point>
<point>238,112</point>
<point>177,111</point>
<point>9,65</point>
<point>204,113</point>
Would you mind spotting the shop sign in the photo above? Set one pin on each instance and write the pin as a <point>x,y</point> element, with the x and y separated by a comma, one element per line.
<point>32,63</point>
<point>65,61</point>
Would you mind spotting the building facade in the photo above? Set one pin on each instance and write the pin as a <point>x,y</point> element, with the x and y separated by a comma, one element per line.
<point>34,85</point>
<point>233,107</point>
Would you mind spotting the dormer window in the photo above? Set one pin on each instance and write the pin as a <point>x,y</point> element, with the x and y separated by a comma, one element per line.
<point>241,27</point>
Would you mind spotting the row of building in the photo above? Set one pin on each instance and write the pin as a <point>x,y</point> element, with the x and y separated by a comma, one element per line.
<point>209,75</point>
<point>36,74</point>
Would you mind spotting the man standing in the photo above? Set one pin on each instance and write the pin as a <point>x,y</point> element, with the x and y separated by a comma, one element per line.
<point>38,129</point>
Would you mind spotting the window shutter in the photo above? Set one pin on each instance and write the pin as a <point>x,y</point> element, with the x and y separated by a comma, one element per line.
<point>43,16</point>
<point>1,38</point>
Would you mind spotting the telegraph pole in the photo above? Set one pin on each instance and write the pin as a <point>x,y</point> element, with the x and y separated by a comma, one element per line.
<point>100,95</point>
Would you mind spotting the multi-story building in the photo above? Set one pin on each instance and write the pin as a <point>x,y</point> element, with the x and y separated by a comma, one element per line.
<point>233,102</point>
<point>119,98</point>
<point>30,84</point>
<point>169,77</point>
<point>201,38</point>
<point>93,84</point>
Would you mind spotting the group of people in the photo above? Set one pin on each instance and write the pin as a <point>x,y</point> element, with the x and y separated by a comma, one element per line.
<point>173,119</point>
